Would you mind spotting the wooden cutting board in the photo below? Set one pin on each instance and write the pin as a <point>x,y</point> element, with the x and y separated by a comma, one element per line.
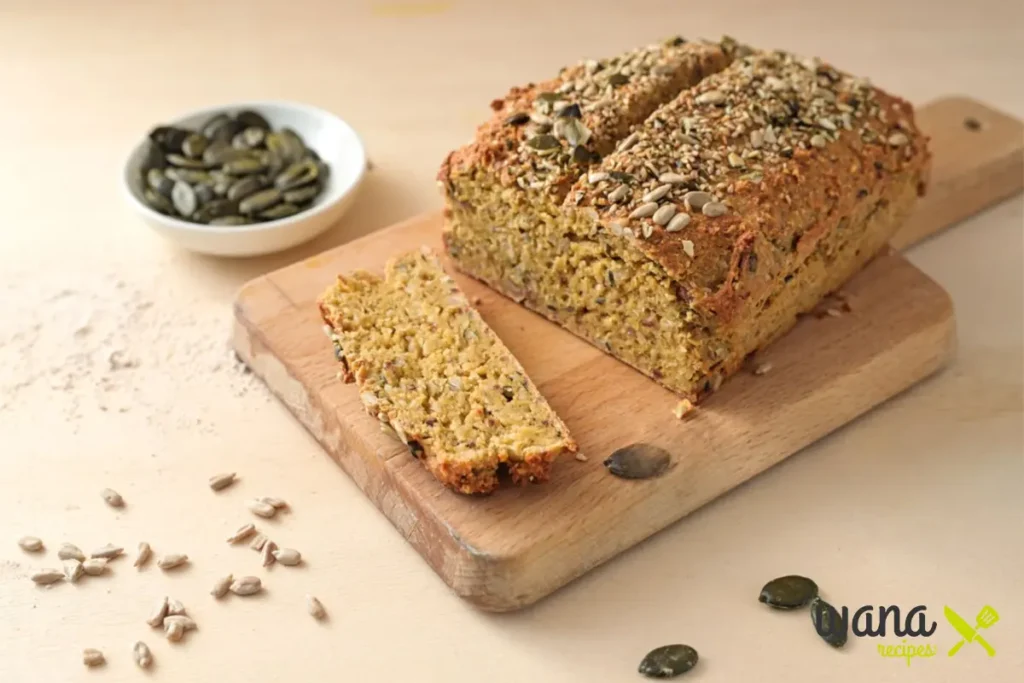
<point>508,550</point>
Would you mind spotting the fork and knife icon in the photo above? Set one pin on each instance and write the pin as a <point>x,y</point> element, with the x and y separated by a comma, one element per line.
<point>986,617</point>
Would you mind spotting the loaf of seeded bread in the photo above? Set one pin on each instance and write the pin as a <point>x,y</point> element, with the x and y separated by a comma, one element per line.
<point>432,371</point>
<point>722,192</point>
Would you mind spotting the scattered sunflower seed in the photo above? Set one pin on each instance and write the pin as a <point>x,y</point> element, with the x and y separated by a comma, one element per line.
<point>710,97</point>
<point>247,585</point>
<point>187,623</point>
<point>30,544</point>
<point>581,458</point>
<point>174,630</point>
<point>638,461</point>
<point>220,589</point>
<point>95,566</point>
<point>142,655</point>
<point>289,557</point>
<point>175,607</point>
<point>93,657</point>
<point>829,624</point>
<point>672,178</point>
<point>276,502</point>
<point>258,541</point>
<point>172,561</point>
<point>262,509</point>
<point>315,608</point>
<point>113,498</point>
<point>70,552</point>
<point>244,532</point>
<point>45,577</point>
<point>618,194</point>
<point>222,481</point>
<point>73,570</point>
<point>668,661</point>
<point>107,552</point>
<point>788,592</point>
<point>267,554</point>
<point>156,617</point>
<point>818,141</point>
<point>143,555</point>
<point>763,368</point>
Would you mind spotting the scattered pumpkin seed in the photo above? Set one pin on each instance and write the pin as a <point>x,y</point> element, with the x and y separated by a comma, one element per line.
<point>45,577</point>
<point>221,588</point>
<point>668,661</point>
<point>73,570</point>
<point>113,498</point>
<point>143,555</point>
<point>219,482</point>
<point>788,592</point>
<point>95,566</point>
<point>262,509</point>
<point>638,461</point>
<point>315,608</point>
<point>829,624</point>
<point>172,561</point>
<point>70,552</point>
<point>93,657</point>
<point>247,585</point>
<point>30,544</point>
<point>289,557</point>
<point>156,617</point>
<point>244,532</point>
<point>107,552</point>
<point>142,655</point>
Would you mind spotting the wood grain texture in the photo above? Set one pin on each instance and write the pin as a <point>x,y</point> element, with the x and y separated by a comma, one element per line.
<point>508,550</point>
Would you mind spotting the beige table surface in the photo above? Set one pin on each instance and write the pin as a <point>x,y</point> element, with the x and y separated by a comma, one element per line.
<point>918,503</point>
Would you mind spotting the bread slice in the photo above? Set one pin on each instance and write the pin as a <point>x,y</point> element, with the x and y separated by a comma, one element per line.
<point>430,368</point>
<point>718,220</point>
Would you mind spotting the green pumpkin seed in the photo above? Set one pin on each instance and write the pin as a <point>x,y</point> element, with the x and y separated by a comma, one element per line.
<point>158,202</point>
<point>158,180</point>
<point>638,461</point>
<point>788,592</point>
<point>194,145</point>
<point>212,124</point>
<point>244,166</point>
<point>154,157</point>
<point>169,138</point>
<point>222,128</point>
<point>246,186</point>
<point>829,624</point>
<point>184,198</point>
<point>544,143</point>
<point>215,209</point>
<point>205,193</point>
<point>668,661</point>
<point>279,211</point>
<point>303,194</point>
<point>229,220</point>
<point>287,144</point>
<point>249,138</point>
<point>312,154</point>
<point>184,162</point>
<point>187,175</point>
<point>260,201</point>
<point>222,184</point>
<point>298,174</point>
<point>221,152</point>
<point>252,119</point>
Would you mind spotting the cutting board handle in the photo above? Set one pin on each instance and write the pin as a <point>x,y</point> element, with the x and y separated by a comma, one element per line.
<point>978,161</point>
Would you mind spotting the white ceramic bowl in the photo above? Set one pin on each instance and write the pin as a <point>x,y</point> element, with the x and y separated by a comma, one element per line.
<point>334,140</point>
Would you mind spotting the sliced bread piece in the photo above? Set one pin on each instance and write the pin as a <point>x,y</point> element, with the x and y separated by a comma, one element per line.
<point>428,366</point>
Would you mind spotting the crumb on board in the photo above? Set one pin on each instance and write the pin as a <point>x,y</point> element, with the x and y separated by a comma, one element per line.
<point>581,457</point>
<point>763,368</point>
<point>683,408</point>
